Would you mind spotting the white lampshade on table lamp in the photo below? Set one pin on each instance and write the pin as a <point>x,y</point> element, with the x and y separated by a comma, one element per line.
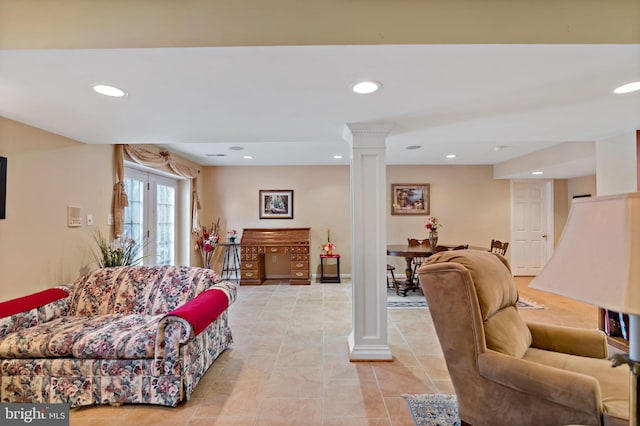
<point>597,261</point>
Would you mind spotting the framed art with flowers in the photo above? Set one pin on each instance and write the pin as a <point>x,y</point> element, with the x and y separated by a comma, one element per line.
<point>276,204</point>
<point>410,199</point>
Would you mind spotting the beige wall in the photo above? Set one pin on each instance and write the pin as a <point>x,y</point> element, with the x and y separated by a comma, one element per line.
<point>473,207</point>
<point>133,23</point>
<point>560,208</point>
<point>581,186</point>
<point>320,195</point>
<point>46,173</point>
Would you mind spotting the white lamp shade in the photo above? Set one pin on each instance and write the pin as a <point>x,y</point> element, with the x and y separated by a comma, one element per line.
<point>597,260</point>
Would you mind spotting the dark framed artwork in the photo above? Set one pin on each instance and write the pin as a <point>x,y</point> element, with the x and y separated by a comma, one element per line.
<point>410,199</point>
<point>3,187</point>
<point>276,204</point>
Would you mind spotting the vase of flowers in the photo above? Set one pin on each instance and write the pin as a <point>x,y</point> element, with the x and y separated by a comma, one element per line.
<point>206,243</point>
<point>232,235</point>
<point>328,247</point>
<point>122,251</point>
<point>432,226</point>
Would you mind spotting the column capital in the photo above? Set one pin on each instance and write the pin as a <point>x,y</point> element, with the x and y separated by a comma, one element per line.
<point>370,131</point>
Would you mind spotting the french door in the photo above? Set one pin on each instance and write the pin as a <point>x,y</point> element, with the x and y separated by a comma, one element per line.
<point>150,218</point>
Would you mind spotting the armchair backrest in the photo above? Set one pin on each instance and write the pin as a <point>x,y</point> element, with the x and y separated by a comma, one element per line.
<point>138,289</point>
<point>475,290</point>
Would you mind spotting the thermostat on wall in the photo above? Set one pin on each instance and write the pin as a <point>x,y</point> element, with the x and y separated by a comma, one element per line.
<point>74,216</point>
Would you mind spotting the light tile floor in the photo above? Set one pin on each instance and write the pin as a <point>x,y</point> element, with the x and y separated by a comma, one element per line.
<point>289,364</point>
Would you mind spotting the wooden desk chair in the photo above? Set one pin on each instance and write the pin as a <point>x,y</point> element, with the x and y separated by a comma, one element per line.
<point>417,261</point>
<point>437,249</point>
<point>392,282</point>
<point>498,247</point>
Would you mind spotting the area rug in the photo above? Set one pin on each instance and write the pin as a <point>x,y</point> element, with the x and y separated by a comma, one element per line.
<point>416,300</point>
<point>433,409</point>
<point>413,300</point>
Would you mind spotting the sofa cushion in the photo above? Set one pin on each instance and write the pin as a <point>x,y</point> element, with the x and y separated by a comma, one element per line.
<point>138,289</point>
<point>103,337</point>
<point>53,338</point>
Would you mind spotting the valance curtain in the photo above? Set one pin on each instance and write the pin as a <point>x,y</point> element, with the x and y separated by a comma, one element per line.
<point>156,160</point>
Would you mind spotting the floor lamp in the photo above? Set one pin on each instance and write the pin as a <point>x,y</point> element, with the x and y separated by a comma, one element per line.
<point>597,261</point>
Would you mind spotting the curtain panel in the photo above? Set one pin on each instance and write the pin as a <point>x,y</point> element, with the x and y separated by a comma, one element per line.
<point>155,160</point>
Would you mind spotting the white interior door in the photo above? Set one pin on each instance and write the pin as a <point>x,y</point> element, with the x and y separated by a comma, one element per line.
<point>531,225</point>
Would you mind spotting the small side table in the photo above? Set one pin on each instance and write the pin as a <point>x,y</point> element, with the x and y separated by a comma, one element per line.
<point>324,261</point>
<point>230,261</point>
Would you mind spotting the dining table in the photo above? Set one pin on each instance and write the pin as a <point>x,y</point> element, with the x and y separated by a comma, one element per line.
<point>410,253</point>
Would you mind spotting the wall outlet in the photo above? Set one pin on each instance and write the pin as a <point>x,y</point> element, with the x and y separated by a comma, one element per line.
<point>89,219</point>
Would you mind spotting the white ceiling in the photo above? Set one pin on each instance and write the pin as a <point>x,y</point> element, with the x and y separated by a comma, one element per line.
<point>289,105</point>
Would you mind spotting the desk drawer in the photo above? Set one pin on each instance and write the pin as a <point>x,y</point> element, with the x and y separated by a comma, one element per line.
<point>299,265</point>
<point>249,265</point>
<point>253,257</point>
<point>299,257</point>
<point>299,274</point>
<point>250,275</point>
<point>274,249</point>
<point>299,249</point>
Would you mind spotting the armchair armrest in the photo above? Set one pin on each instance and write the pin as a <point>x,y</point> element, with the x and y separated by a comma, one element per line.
<point>569,340</point>
<point>34,309</point>
<point>567,388</point>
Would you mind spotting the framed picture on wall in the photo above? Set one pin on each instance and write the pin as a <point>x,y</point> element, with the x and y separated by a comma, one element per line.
<point>276,204</point>
<point>410,199</point>
<point>3,187</point>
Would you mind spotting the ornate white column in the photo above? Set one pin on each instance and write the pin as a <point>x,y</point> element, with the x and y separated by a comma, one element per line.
<point>368,338</point>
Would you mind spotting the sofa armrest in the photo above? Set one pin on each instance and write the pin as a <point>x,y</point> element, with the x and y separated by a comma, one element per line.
<point>203,309</point>
<point>186,322</point>
<point>579,391</point>
<point>569,340</point>
<point>34,309</point>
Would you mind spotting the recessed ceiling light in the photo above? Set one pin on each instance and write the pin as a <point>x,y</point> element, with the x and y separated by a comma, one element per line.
<point>451,156</point>
<point>112,91</point>
<point>536,173</point>
<point>337,157</point>
<point>628,88</point>
<point>413,147</point>
<point>247,157</point>
<point>236,148</point>
<point>366,87</point>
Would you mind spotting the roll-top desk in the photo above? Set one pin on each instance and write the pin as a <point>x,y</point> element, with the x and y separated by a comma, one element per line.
<point>256,242</point>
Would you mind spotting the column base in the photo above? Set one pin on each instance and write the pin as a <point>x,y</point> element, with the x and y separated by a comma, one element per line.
<point>368,352</point>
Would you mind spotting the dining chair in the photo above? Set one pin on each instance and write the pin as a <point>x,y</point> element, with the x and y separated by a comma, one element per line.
<point>392,283</point>
<point>499,247</point>
<point>417,261</point>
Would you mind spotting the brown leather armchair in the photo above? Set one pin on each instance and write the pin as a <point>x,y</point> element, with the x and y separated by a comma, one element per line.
<point>509,372</point>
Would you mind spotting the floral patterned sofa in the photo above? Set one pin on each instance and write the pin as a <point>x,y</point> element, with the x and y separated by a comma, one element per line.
<point>130,334</point>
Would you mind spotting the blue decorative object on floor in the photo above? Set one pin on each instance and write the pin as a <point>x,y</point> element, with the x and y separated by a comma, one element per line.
<point>433,409</point>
